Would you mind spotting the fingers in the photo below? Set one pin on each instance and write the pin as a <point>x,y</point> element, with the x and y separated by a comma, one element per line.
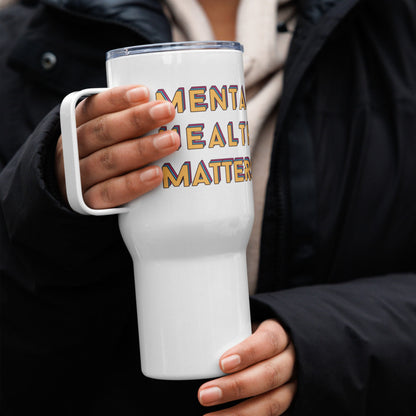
<point>115,176</point>
<point>262,371</point>
<point>116,127</point>
<point>114,146</point>
<point>113,100</point>
<point>269,340</point>
<point>125,157</point>
<point>123,189</point>
<point>255,380</point>
<point>273,403</point>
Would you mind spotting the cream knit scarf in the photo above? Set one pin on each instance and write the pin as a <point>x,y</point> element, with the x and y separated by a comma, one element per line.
<point>265,53</point>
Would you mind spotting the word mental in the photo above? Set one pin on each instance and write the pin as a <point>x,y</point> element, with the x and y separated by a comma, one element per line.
<point>202,98</point>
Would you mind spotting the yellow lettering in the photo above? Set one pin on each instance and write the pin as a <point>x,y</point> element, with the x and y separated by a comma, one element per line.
<point>228,163</point>
<point>216,97</point>
<point>202,175</point>
<point>170,177</point>
<point>194,135</point>
<point>215,165</point>
<point>232,89</point>
<point>232,141</point>
<point>217,138</point>
<point>242,127</point>
<point>197,99</point>
<point>178,99</point>
<point>242,100</point>
<point>239,169</point>
<point>247,169</point>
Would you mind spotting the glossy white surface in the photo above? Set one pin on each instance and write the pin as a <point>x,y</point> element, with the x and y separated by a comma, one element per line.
<point>188,239</point>
<point>189,243</point>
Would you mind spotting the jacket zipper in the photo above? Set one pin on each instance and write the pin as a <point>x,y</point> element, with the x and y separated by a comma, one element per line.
<point>310,38</point>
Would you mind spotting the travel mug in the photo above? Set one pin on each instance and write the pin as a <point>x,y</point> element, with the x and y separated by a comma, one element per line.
<point>188,237</point>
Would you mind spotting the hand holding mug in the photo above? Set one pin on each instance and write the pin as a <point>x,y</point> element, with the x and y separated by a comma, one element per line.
<point>261,370</point>
<point>114,155</point>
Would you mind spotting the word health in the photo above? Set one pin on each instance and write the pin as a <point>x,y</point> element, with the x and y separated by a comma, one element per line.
<point>198,136</point>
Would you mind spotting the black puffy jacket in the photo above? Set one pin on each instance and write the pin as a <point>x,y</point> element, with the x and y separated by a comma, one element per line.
<point>339,233</point>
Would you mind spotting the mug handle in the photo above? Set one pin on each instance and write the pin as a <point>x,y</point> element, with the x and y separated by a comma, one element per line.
<point>71,155</point>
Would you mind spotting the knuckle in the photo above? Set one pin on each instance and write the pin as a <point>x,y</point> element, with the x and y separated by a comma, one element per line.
<point>91,200</point>
<point>100,196</point>
<point>106,195</point>
<point>100,130</point>
<point>136,119</point>
<point>237,388</point>
<point>238,412</point>
<point>86,173</point>
<point>107,160</point>
<point>140,149</point>
<point>275,336</point>
<point>116,97</point>
<point>271,376</point>
<point>250,354</point>
<point>273,407</point>
<point>132,185</point>
<point>113,97</point>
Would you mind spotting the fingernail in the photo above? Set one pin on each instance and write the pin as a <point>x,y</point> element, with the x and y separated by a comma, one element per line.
<point>150,174</point>
<point>230,363</point>
<point>138,94</point>
<point>161,111</point>
<point>210,395</point>
<point>164,140</point>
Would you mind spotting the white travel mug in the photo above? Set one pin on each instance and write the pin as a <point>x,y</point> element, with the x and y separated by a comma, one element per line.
<point>188,237</point>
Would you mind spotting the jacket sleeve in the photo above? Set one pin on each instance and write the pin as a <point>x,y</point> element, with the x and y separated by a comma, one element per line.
<point>355,344</point>
<point>66,287</point>
<point>48,235</point>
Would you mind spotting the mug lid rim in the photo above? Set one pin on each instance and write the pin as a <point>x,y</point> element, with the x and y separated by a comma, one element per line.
<point>173,46</point>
